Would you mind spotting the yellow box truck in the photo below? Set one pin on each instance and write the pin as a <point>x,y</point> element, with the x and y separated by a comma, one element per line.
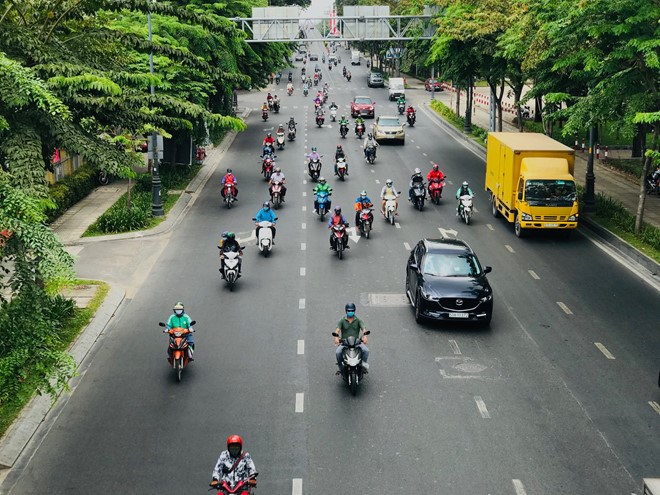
<point>529,178</point>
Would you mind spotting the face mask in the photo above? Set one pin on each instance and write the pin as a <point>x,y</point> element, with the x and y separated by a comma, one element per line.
<point>266,208</point>
<point>178,312</point>
<point>234,451</point>
<point>350,314</point>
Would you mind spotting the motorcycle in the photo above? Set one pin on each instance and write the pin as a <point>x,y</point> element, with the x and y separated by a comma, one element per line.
<point>305,91</point>
<point>280,140</point>
<point>401,108</point>
<point>239,488</point>
<point>652,185</point>
<point>366,221</point>
<point>371,154</point>
<point>264,115</point>
<point>316,81</point>
<point>333,114</point>
<point>277,79</point>
<point>229,197</point>
<point>341,168</point>
<point>267,166</point>
<point>348,76</point>
<point>270,105</point>
<point>276,194</point>
<point>351,370</point>
<point>276,106</point>
<point>390,210</point>
<point>337,239</point>
<point>359,130</point>
<point>324,97</point>
<point>412,117</point>
<point>102,178</point>
<point>418,195</point>
<point>343,130</point>
<point>435,189</point>
<point>343,73</point>
<point>292,133</point>
<point>323,201</point>
<point>230,269</point>
<point>178,355</point>
<point>320,119</point>
<point>465,208</point>
<point>314,169</point>
<point>289,91</point>
<point>265,239</point>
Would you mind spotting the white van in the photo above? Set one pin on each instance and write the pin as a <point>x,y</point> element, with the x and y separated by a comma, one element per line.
<point>397,88</point>
<point>355,57</point>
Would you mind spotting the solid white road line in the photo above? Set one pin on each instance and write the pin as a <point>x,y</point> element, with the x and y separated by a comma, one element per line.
<point>301,303</point>
<point>655,406</point>
<point>509,248</point>
<point>481,405</point>
<point>303,225</point>
<point>397,225</point>
<point>300,401</point>
<point>534,275</point>
<point>490,227</point>
<point>604,350</point>
<point>518,486</point>
<point>302,271</point>
<point>301,347</point>
<point>564,308</point>
<point>303,246</point>
<point>407,246</point>
<point>454,347</point>
<point>297,486</point>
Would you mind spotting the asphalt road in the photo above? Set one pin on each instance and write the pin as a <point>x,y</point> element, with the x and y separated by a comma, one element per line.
<point>531,405</point>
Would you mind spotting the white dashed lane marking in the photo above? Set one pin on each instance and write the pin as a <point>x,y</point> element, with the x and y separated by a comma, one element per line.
<point>301,347</point>
<point>509,248</point>
<point>300,402</point>
<point>604,350</point>
<point>655,406</point>
<point>303,226</point>
<point>533,274</point>
<point>303,246</point>
<point>301,303</point>
<point>304,194</point>
<point>490,227</point>
<point>481,405</point>
<point>519,487</point>
<point>377,181</point>
<point>303,271</point>
<point>564,308</point>
<point>407,246</point>
<point>304,208</point>
<point>425,154</point>
<point>397,225</point>
<point>296,489</point>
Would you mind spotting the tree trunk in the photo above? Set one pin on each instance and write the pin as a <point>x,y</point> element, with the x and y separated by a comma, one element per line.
<point>498,104</point>
<point>458,100</point>
<point>639,218</point>
<point>638,140</point>
<point>538,110</point>
<point>500,112</point>
<point>517,92</point>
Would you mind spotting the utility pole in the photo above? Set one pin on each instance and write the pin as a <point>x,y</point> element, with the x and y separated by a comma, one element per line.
<point>590,185</point>
<point>156,200</point>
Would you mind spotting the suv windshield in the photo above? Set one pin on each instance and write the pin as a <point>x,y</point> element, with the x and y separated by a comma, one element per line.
<point>544,192</point>
<point>451,265</point>
<point>363,101</point>
<point>389,122</point>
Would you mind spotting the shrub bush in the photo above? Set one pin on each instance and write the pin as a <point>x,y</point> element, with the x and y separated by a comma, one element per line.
<point>68,191</point>
<point>120,218</point>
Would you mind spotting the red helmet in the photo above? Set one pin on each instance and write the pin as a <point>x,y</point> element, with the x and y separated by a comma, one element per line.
<point>235,439</point>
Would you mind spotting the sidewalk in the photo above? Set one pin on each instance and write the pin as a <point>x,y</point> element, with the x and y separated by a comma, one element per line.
<point>608,181</point>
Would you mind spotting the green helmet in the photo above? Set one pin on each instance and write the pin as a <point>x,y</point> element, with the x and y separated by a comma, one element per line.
<point>231,236</point>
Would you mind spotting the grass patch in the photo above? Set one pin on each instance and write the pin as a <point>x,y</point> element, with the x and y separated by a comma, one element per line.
<point>630,166</point>
<point>70,330</point>
<point>477,134</point>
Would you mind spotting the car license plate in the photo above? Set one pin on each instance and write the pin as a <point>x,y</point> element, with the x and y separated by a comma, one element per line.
<point>459,315</point>
<point>551,225</point>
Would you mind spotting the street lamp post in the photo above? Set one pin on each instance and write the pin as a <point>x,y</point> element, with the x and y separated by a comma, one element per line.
<point>590,184</point>
<point>156,200</point>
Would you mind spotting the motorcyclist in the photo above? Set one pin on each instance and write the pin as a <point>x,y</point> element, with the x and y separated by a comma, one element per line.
<point>415,179</point>
<point>339,153</point>
<point>435,173</point>
<point>343,71</point>
<point>388,192</point>
<point>277,176</point>
<point>362,201</point>
<point>223,238</point>
<point>464,190</point>
<point>280,130</point>
<point>266,215</point>
<point>359,120</point>
<point>336,219</point>
<point>269,100</point>
<point>401,100</point>
<point>290,78</point>
<point>343,121</point>
<point>234,465</point>
<point>348,75</point>
<point>370,142</point>
<point>351,326</point>
<point>264,108</point>
<point>231,245</point>
<point>333,106</point>
<point>319,112</point>
<point>292,123</point>
<point>180,319</point>
<point>230,178</point>
<point>305,88</point>
<point>410,111</point>
<point>268,140</point>
<point>321,187</point>
<point>276,103</point>
<point>313,156</point>
<point>317,101</point>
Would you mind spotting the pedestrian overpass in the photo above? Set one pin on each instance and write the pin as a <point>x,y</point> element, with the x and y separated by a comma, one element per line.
<point>359,23</point>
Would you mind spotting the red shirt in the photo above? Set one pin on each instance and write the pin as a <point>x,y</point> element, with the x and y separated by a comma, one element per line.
<point>269,140</point>
<point>435,174</point>
<point>230,179</point>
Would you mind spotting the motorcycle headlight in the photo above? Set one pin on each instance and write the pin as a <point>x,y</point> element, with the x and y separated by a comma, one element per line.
<point>526,217</point>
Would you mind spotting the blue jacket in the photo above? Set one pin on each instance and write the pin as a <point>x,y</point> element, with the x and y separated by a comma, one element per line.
<point>266,216</point>
<point>365,201</point>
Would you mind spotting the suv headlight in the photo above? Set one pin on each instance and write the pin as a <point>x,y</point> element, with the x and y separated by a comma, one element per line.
<point>526,217</point>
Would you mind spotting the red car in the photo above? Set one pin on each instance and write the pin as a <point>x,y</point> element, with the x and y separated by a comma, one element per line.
<point>362,105</point>
<point>432,82</point>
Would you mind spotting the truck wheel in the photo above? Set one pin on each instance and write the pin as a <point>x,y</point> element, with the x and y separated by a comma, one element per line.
<point>493,206</point>
<point>520,232</point>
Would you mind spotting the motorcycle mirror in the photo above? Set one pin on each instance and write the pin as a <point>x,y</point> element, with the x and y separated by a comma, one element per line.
<point>161,324</point>
<point>335,334</point>
<point>254,219</point>
<point>488,269</point>
<point>194,322</point>
<point>367,332</point>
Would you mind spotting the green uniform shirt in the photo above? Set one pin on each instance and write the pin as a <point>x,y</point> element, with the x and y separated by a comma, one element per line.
<point>347,329</point>
<point>182,321</point>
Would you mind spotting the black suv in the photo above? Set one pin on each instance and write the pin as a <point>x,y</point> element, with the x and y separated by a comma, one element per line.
<point>445,281</point>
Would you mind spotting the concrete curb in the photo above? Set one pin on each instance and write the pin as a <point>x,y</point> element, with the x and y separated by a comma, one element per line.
<point>34,413</point>
<point>615,242</point>
<point>182,205</point>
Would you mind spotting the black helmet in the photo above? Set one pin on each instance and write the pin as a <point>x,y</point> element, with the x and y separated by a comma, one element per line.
<point>349,307</point>
<point>229,171</point>
<point>337,210</point>
<point>266,204</point>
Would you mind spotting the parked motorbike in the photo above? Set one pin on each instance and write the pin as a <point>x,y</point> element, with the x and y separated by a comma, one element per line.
<point>341,168</point>
<point>320,119</point>
<point>178,355</point>
<point>265,239</point>
<point>351,369</point>
<point>435,189</point>
<point>371,154</point>
<point>343,130</point>
<point>333,114</point>
<point>280,140</point>
<point>323,201</point>
<point>359,130</point>
<point>337,239</point>
<point>366,221</point>
<point>228,196</point>
<point>314,169</point>
<point>230,269</point>
<point>276,194</point>
<point>412,117</point>
<point>292,133</point>
<point>390,209</point>
<point>418,195</point>
<point>465,208</point>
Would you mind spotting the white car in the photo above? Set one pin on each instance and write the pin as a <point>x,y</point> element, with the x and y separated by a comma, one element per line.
<point>389,128</point>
